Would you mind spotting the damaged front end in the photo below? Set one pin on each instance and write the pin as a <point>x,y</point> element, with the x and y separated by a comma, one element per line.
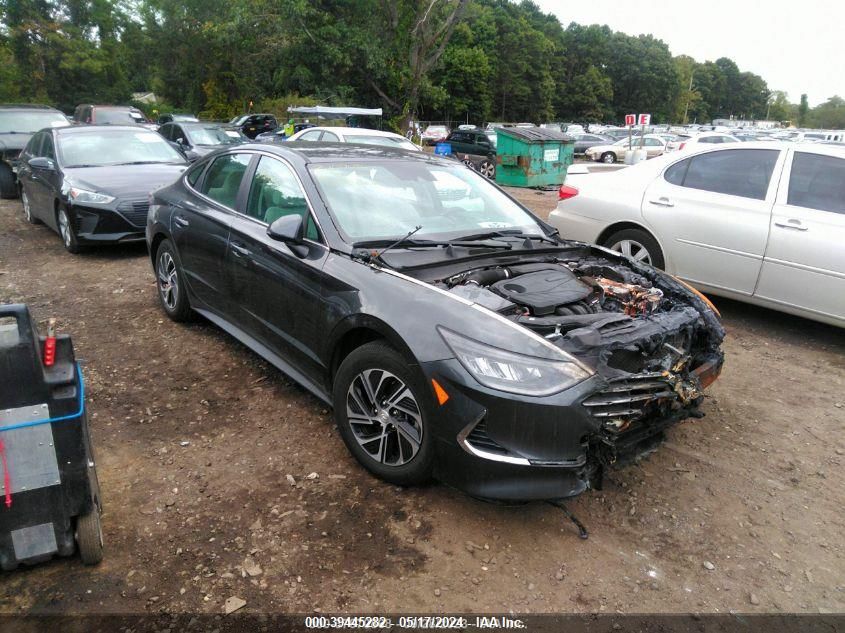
<point>654,342</point>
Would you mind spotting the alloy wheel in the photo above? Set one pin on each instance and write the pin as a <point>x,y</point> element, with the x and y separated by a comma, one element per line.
<point>27,211</point>
<point>385,417</point>
<point>168,280</point>
<point>488,169</point>
<point>64,228</point>
<point>633,250</point>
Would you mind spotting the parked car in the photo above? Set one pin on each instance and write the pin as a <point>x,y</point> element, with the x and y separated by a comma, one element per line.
<point>177,117</point>
<point>757,222</point>
<point>620,133</point>
<point>358,135</point>
<point>254,124</point>
<point>278,135</point>
<point>195,140</point>
<point>434,133</point>
<point>471,345</point>
<point>476,149</point>
<point>109,115</point>
<point>615,152</point>
<point>91,184</point>
<point>583,142</point>
<point>706,138</point>
<point>18,122</point>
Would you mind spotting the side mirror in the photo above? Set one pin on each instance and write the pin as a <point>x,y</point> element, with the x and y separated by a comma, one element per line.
<point>40,162</point>
<point>287,229</point>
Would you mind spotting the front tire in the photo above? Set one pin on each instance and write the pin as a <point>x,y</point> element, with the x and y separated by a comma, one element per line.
<point>608,158</point>
<point>67,231</point>
<point>170,281</point>
<point>381,409</point>
<point>637,244</point>
<point>487,168</point>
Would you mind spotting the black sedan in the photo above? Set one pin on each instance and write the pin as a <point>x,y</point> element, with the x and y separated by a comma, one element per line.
<point>453,332</point>
<point>91,184</point>
<point>196,139</point>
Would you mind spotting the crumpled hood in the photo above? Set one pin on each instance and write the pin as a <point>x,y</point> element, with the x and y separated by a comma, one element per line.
<point>125,181</point>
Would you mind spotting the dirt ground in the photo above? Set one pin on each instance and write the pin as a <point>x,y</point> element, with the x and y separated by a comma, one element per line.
<point>221,478</point>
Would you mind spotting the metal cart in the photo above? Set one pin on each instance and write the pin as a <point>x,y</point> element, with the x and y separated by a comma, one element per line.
<point>49,493</point>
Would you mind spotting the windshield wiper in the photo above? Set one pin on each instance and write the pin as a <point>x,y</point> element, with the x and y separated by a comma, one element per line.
<point>505,233</point>
<point>144,162</point>
<point>407,241</point>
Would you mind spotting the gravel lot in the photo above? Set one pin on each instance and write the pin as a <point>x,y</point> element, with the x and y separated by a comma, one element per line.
<point>221,478</point>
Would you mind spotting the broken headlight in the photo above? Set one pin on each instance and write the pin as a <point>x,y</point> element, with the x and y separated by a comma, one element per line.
<point>515,373</point>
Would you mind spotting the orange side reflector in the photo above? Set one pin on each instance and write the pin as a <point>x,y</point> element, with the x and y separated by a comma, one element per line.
<point>441,394</point>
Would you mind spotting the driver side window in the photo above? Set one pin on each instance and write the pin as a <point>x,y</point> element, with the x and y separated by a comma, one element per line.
<point>275,193</point>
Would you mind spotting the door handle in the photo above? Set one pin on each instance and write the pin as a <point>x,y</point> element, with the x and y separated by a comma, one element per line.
<point>240,251</point>
<point>663,202</point>
<point>793,224</point>
<point>181,220</point>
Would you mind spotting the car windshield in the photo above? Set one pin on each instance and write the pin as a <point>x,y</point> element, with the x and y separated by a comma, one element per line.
<point>386,200</point>
<point>30,122</point>
<point>212,135</point>
<point>436,129</point>
<point>384,141</point>
<point>115,117</point>
<point>115,147</point>
<point>493,138</point>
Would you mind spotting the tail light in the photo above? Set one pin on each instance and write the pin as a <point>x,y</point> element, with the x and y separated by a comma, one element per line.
<point>681,146</point>
<point>566,192</point>
<point>50,344</point>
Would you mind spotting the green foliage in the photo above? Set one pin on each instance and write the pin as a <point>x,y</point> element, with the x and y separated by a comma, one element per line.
<point>803,109</point>
<point>452,60</point>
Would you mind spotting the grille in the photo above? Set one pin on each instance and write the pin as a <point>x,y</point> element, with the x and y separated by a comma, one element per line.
<point>135,211</point>
<point>479,439</point>
<point>627,399</point>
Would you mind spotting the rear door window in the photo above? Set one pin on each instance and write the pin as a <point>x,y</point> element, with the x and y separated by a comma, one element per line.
<point>741,172</point>
<point>223,180</point>
<point>817,182</point>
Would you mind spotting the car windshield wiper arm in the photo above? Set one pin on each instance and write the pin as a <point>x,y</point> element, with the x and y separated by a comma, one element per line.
<point>505,233</point>
<point>408,241</point>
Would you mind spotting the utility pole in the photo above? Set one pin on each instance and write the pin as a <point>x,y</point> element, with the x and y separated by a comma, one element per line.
<point>689,98</point>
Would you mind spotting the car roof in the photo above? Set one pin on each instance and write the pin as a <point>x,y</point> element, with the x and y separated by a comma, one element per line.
<point>190,124</point>
<point>28,106</point>
<point>88,129</point>
<point>311,152</point>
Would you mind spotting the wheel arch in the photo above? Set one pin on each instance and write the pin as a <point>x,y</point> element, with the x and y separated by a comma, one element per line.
<point>158,238</point>
<point>358,330</point>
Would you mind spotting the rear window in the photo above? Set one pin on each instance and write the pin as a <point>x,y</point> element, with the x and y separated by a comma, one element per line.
<point>817,182</point>
<point>744,173</point>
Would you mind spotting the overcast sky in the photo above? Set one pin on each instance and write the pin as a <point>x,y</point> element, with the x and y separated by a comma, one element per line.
<point>796,47</point>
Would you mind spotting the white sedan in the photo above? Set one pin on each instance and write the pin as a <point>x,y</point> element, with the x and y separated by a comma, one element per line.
<point>706,138</point>
<point>757,222</point>
<point>653,145</point>
<point>358,135</point>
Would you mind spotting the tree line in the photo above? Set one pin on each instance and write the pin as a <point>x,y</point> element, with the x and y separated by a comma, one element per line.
<point>445,60</point>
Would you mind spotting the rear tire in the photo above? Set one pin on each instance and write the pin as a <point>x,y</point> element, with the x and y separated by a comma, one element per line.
<point>637,244</point>
<point>390,430</point>
<point>27,209</point>
<point>8,186</point>
<point>170,282</point>
<point>89,537</point>
<point>488,169</point>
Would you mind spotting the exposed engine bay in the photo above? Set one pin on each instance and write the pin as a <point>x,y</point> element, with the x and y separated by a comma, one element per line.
<point>652,339</point>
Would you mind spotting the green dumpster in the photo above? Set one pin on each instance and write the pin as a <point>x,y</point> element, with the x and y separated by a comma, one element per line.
<point>532,156</point>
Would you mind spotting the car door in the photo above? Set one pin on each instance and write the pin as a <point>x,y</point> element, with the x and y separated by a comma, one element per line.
<point>200,228</point>
<point>711,214</point>
<point>30,182</point>
<point>277,290</point>
<point>804,264</point>
<point>40,182</point>
<point>653,147</point>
